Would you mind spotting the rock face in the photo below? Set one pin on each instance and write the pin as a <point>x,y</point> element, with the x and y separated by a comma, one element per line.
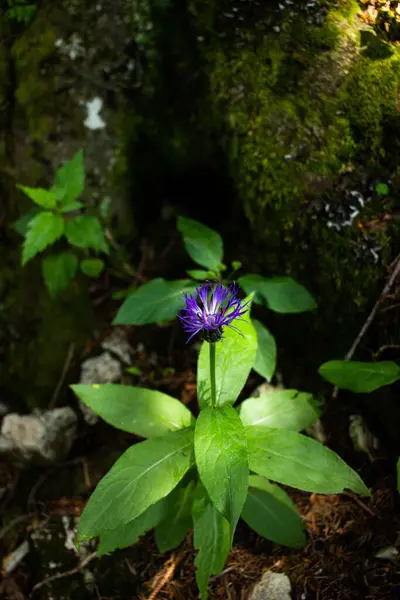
<point>272,586</point>
<point>41,439</point>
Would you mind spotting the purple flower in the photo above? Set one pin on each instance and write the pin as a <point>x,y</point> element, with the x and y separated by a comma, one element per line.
<point>214,307</point>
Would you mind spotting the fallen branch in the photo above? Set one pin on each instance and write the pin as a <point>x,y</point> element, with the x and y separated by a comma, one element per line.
<point>48,580</point>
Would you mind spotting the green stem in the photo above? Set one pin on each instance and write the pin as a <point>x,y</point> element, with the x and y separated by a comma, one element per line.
<point>212,375</point>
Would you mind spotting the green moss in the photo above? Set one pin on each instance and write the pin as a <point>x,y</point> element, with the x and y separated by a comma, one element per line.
<point>35,88</point>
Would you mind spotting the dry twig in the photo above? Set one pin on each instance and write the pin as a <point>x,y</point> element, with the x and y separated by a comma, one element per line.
<point>174,560</point>
<point>48,580</point>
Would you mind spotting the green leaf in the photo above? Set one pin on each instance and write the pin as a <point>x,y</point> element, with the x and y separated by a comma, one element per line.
<point>211,540</point>
<point>299,461</point>
<point>234,359</point>
<point>92,267</point>
<point>154,302</point>
<point>281,294</point>
<point>282,409</point>
<point>382,189</point>
<point>41,197</point>
<point>204,245</point>
<point>105,207</point>
<point>221,459</point>
<point>71,206</point>
<point>58,271</point>
<point>147,413</point>
<point>177,521</point>
<point>85,231</point>
<point>43,230</point>
<point>22,224</point>
<point>129,533</point>
<point>360,377</point>
<point>200,275</point>
<point>70,179</point>
<point>144,474</point>
<point>265,361</point>
<point>271,513</point>
<point>236,264</point>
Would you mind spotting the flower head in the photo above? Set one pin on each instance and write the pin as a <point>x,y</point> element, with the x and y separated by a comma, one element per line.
<point>214,307</point>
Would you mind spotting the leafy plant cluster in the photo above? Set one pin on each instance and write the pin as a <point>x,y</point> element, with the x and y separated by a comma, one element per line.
<point>21,11</point>
<point>159,300</point>
<point>362,378</point>
<point>209,472</point>
<point>59,213</point>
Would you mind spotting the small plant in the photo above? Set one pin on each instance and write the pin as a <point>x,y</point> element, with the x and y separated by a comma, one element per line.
<point>21,11</point>
<point>361,378</point>
<point>159,300</point>
<point>58,213</point>
<point>208,473</point>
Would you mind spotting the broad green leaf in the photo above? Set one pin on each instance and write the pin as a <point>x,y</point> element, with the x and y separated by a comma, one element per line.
<point>382,189</point>
<point>265,361</point>
<point>22,224</point>
<point>281,294</point>
<point>58,271</point>
<point>92,267</point>
<point>200,275</point>
<point>70,178</point>
<point>271,513</point>
<point>299,461</point>
<point>142,476</point>
<point>398,475</point>
<point>147,413</point>
<point>177,521</point>
<point>221,459</point>
<point>212,540</point>
<point>360,377</point>
<point>154,302</point>
<point>204,245</point>
<point>129,533</point>
<point>234,359</point>
<point>282,409</point>
<point>43,230</point>
<point>85,231</point>
<point>41,197</point>
<point>71,206</point>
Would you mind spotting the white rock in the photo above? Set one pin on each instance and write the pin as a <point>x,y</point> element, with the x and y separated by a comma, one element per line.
<point>117,343</point>
<point>93,119</point>
<point>272,586</point>
<point>99,369</point>
<point>44,438</point>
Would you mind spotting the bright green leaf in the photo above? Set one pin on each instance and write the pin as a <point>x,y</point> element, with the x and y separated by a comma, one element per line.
<point>142,476</point>
<point>43,230</point>
<point>171,531</point>
<point>85,231</point>
<point>70,179</point>
<point>382,189</point>
<point>236,264</point>
<point>147,413</point>
<point>282,409</point>
<point>271,513</point>
<point>360,377</point>
<point>71,206</point>
<point>265,361</point>
<point>58,271</point>
<point>41,197</point>
<point>133,371</point>
<point>234,359</point>
<point>299,461</point>
<point>22,224</point>
<point>211,540</point>
<point>221,459</point>
<point>204,245</point>
<point>200,275</point>
<point>129,533</point>
<point>154,302</point>
<point>92,267</point>
<point>281,294</point>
